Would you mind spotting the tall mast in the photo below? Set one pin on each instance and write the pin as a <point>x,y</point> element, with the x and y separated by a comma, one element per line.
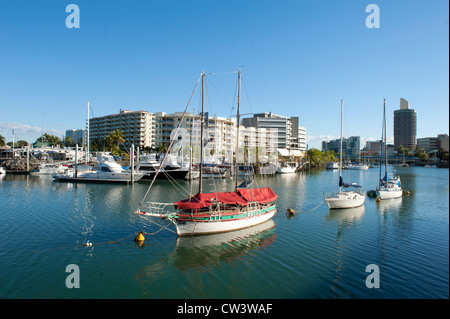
<point>86,155</point>
<point>202,123</point>
<point>340,154</point>
<point>385,140</point>
<point>382,141</point>
<point>236,167</point>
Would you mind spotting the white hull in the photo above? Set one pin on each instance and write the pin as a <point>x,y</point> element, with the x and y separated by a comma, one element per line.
<point>345,200</point>
<point>392,189</point>
<point>286,170</point>
<point>98,177</point>
<point>389,194</point>
<point>49,169</point>
<point>268,170</point>
<point>358,167</point>
<point>47,172</point>
<point>189,228</point>
<point>106,171</point>
<point>332,165</point>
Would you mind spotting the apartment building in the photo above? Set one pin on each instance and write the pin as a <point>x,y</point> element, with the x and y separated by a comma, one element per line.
<point>261,135</point>
<point>78,136</point>
<point>428,144</point>
<point>350,146</point>
<point>219,134</point>
<point>257,144</point>
<point>442,141</point>
<point>138,127</point>
<point>290,135</point>
<point>433,144</point>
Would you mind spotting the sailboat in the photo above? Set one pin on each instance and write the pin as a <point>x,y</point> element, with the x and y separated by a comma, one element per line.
<point>345,199</point>
<point>208,213</point>
<point>389,186</point>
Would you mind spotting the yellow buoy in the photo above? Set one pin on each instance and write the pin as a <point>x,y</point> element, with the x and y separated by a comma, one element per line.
<point>290,212</point>
<point>378,199</point>
<point>140,237</point>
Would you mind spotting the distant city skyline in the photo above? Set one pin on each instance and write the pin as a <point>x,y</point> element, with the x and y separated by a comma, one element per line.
<point>298,59</point>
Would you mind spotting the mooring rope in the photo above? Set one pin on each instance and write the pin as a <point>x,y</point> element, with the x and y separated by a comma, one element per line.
<point>315,208</point>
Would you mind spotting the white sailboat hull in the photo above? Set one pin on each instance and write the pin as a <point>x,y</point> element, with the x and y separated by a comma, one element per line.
<point>345,200</point>
<point>390,193</point>
<point>190,228</point>
<point>392,189</point>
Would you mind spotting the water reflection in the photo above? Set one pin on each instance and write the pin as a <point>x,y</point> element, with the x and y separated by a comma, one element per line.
<point>345,219</point>
<point>390,205</point>
<point>347,216</point>
<point>201,251</point>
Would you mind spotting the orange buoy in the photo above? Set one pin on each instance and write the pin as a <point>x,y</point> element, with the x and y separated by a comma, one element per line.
<point>290,212</point>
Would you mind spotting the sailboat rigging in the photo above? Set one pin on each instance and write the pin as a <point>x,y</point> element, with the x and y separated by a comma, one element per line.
<point>345,199</point>
<point>207,213</point>
<point>388,187</point>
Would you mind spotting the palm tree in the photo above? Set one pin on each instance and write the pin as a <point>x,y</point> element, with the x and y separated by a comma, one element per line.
<point>2,141</point>
<point>115,138</point>
<point>161,148</point>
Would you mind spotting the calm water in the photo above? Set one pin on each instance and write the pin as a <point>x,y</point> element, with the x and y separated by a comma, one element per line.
<point>316,254</point>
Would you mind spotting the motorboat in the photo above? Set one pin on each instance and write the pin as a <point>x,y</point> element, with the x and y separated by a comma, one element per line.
<point>107,170</point>
<point>358,166</point>
<point>286,169</point>
<point>49,169</point>
<point>332,165</point>
<point>148,165</point>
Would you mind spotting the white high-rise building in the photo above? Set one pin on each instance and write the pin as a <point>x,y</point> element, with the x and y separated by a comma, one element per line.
<point>290,135</point>
<point>137,126</point>
<point>219,134</point>
<point>78,136</point>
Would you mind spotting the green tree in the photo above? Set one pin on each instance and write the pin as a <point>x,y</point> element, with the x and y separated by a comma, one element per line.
<point>50,139</point>
<point>2,141</point>
<point>96,145</point>
<point>68,142</point>
<point>114,139</point>
<point>328,156</point>
<point>161,148</point>
<point>21,143</point>
<point>442,154</point>
<point>402,151</point>
<point>418,151</point>
<point>423,156</point>
<point>314,157</point>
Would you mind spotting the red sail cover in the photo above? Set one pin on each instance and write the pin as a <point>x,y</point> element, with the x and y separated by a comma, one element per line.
<point>260,195</point>
<point>241,197</point>
<point>202,200</point>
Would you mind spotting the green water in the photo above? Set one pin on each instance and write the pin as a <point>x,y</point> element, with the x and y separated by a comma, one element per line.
<point>315,254</point>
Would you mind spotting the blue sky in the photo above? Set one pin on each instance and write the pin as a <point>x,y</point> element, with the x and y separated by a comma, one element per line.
<point>298,58</point>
